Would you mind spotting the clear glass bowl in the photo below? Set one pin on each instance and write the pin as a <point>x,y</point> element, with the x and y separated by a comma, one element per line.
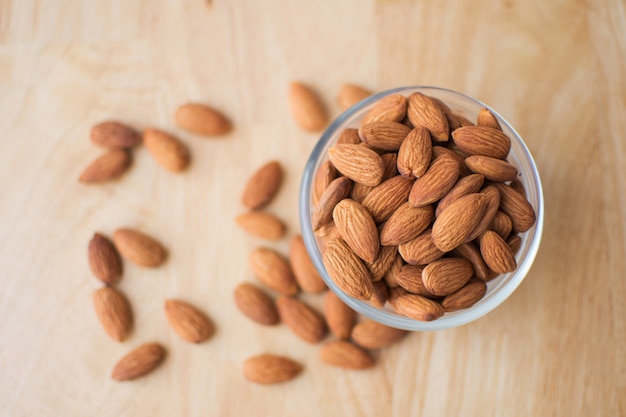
<point>497,289</point>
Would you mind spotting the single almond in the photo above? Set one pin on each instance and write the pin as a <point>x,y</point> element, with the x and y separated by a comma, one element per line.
<point>107,167</point>
<point>139,362</point>
<point>501,224</point>
<point>497,254</point>
<point>394,270</point>
<point>465,297</point>
<point>350,94</point>
<point>387,197</point>
<point>336,191</point>
<point>422,111</point>
<point>436,182</point>
<point>273,270</point>
<point>255,304</point>
<point>386,136</point>
<point>167,150</point>
<point>114,135</point>
<point>487,119</point>
<point>389,109</point>
<point>307,108</point>
<point>359,163</point>
<point>305,322</point>
<point>418,307</point>
<point>493,169</point>
<point>324,175</point>
<point>345,355</point>
<point>515,243</point>
<point>113,311</point>
<point>202,120</point>
<point>415,153</point>
<point>188,321</point>
<point>456,154</point>
<point>445,276</point>
<point>464,186</point>
<point>383,262</point>
<point>104,259</point>
<point>405,224</point>
<point>371,334</point>
<point>492,203</point>
<point>457,221</point>
<point>270,369</point>
<point>481,140</point>
<point>339,316</point>
<point>470,252</point>
<point>262,186</point>
<point>304,271</point>
<point>139,248</point>
<point>360,191</point>
<point>357,228</point>
<point>379,294</point>
<point>421,250</point>
<point>263,225</point>
<point>349,136</point>
<point>346,270</point>
<point>517,208</point>
<point>410,278</point>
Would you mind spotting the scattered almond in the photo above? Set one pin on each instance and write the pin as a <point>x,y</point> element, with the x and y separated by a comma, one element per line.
<point>255,304</point>
<point>113,311</point>
<point>273,270</point>
<point>262,186</point>
<point>305,322</point>
<point>339,316</point>
<point>167,150</point>
<point>114,135</point>
<point>139,362</point>
<point>263,225</point>
<point>303,269</point>
<point>270,369</point>
<point>139,248</point>
<point>190,323</point>
<point>345,355</point>
<point>107,167</point>
<point>307,108</point>
<point>373,335</point>
<point>350,94</point>
<point>202,120</point>
<point>104,259</point>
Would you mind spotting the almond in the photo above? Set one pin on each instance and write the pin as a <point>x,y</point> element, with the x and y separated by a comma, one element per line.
<point>350,94</point>
<point>457,221</point>
<point>190,323</point>
<point>107,167</point>
<point>517,185</point>
<point>325,234</point>
<point>436,182</point>
<point>466,296</point>
<point>470,252</point>
<point>167,150</point>
<point>421,250</point>
<point>324,175</point>
<point>410,278</point>
<point>139,248</point>
<point>445,276</point>
<point>113,312</point>
<point>373,335</point>
<point>516,207</point>
<point>307,108</point>
<point>114,135</point>
<point>360,191</point>
<point>415,153</point>
<point>386,136</point>
<point>305,322</point>
<point>357,228</point>
<point>382,263</point>
<point>492,203</point>
<point>346,270</point>
<point>454,121</point>
<point>394,294</point>
<point>405,224</point>
<point>104,259</point>
<point>456,154</point>
<point>418,307</point>
<point>345,355</point>
<point>359,163</point>
<point>303,269</point>
<point>262,186</point>
<point>501,224</point>
<point>255,304</point>
<point>390,161</point>
<point>139,362</point>
<point>493,169</point>
<point>263,225</point>
<point>202,120</point>
<point>385,199</point>
<point>481,140</point>
<point>339,316</point>
<point>336,191</point>
<point>422,111</point>
<point>515,243</point>
<point>272,269</point>
<point>497,254</point>
<point>487,119</point>
<point>394,270</point>
<point>388,109</point>
<point>349,136</point>
<point>270,369</point>
<point>379,294</point>
<point>465,186</point>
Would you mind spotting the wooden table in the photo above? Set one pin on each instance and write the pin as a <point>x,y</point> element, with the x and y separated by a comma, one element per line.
<point>555,70</point>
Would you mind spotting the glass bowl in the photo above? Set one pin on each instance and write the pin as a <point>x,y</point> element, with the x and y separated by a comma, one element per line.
<point>499,288</point>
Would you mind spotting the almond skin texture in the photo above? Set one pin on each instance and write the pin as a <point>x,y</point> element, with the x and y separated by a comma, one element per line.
<point>370,334</point>
<point>445,276</point>
<point>349,136</point>
<point>466,296</point>
<point>307,108</point>
<point>359,163</point>
<point>167,150</point>
<point>114,135</point>
<point>410,278</point>
<point>501,224</point>
<point>392,273</point>
<point>455,154</point>
<point>421,250</point>
<point>382,263</point>
<point>104,260</point>
<point>480,140</point>
<point>457,221</point>
<point>345,355</point>
<point>347,270</point>
<point>379,294</point>
<point>405,224</point>
<point>262,186</point>
<point>350,94</point>
<point>323,211</point>
<point>262,225</point>
<point>305,322</point>
<point>255,304</point>
<point>190,323</point>
<point>493,169</point>
<point>339,316</point>
<point>325,174</point>
<point>465,186</point>
<point>139,362</point>
<point>515,243</point>
<point>270,369</point>
<point>386,136</point>
<point>325,234</point>
<point>389,109</point>
<point>516,207</point>
<point>470,252</point>
<point>139,248</point>
<point>303,269</point>
<point>415,153</point>
<point>497,254</point>
<point>487,119</point>
<point>273,270</point>
<point>436,182</point>
<point>357,228</point>
<point>418,307</point>
<point>202,120</point>
<point>113,311</point>
<point>107,167</point>
<point>492,203</point>
<point>424,112</point>
<point>386,198</point>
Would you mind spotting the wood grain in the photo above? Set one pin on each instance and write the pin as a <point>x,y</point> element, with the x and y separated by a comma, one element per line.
<point>556,70</point>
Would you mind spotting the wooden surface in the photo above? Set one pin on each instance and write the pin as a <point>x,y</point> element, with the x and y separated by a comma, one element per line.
<point>556,70</point>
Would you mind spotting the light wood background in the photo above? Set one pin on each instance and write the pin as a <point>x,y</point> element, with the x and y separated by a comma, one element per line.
<point>555,69</point>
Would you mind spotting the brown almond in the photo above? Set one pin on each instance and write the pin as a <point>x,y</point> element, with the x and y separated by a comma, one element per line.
<point>394,294</point>
<point>386,136</point>
<point>492,197</point>
<point>382,263</point>
<point>255,304</point>
<point>464,186</point>
<point>360,191</point>
<point>107,167</point>
<point>307,108</point>
<point>305,272</point>
<point>454,121</point>
<point>379,294</point>
<point>394,270</point>
<point>114,135</point>
<point>270,369</point>
<point>421,250</point>
<point>325,234</point>
<point>113,311</point>
<point>487,119</point>
<point>470,252</point>
<point>457,221</point>
<point>497,254</point>
<point>515,243</point>
<point>104,259</point>
<point>262,186</point>
<point>305,322</point>
<point>167,150</point>
<point>263,225</point>
<point>350,94</point>
<point>188,321</point>
<point>418,307</point>
<point>517,185</point>
<point>359,163</point>
<point>516,207</point>
<point>346,270</point>
<point>202,120</point>
<point>493,169</point>
<point>357,228</point>
<point>481,140</point>
<point>386,198</point>
<point>501,224</point>
<point>410,278</point>
<point>345,355</point>
<point>436,182</point>
<point>445,276</point>
<point>339,316</point>
<point>349,136</point>
<point>370,334</point>
<point>139,362</point>
<point>405,224</point>
<point>388,109</point>
<point>456,154</point>
<point>139,248</point>
<point>415,153</point>
<point>422,111</point>
<point>465,297</point>
<point>325,174</point>
<point>323,211</point>
<point>272,269</point>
